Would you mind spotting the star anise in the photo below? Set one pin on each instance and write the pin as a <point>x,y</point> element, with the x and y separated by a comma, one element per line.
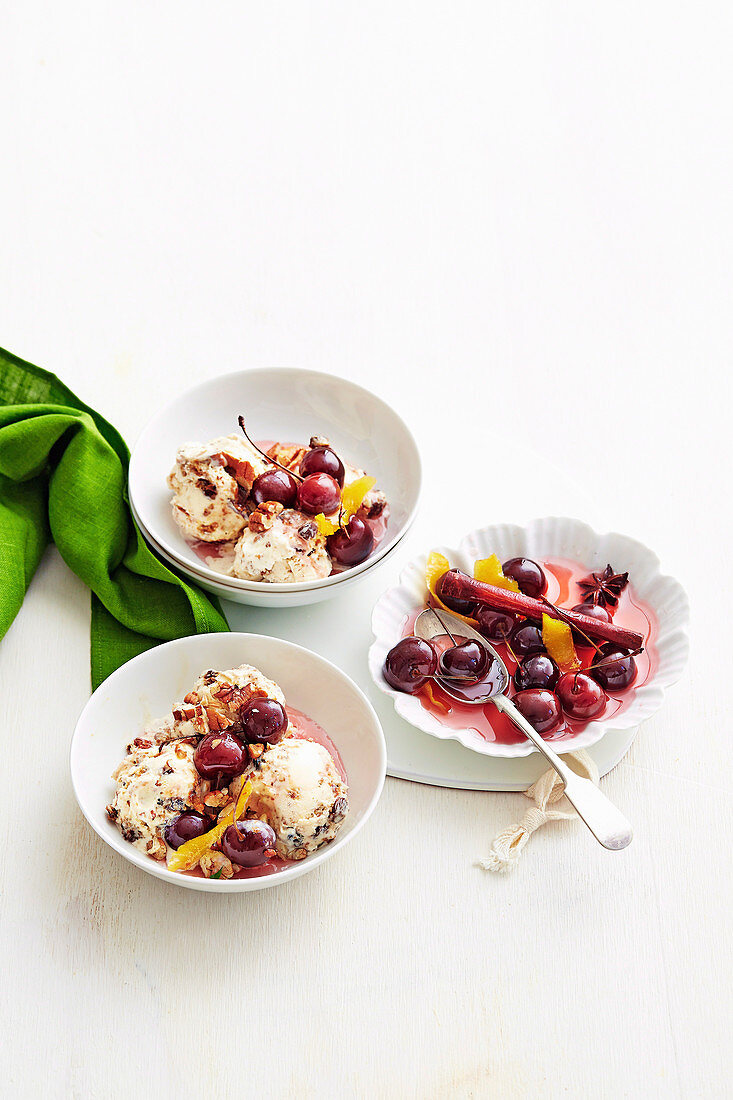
<point>604,588</point>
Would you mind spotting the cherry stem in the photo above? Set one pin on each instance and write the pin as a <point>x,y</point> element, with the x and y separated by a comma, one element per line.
<point>438,676</point>
<point>445,628</point>
<point>268,458</point>
<point>597,664</point>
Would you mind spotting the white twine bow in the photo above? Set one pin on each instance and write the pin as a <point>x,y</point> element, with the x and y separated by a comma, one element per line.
<point>548,789</point>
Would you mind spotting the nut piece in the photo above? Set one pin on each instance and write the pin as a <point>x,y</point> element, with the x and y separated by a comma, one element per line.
<point>255,751</point>
<point>242,471</point>
<point>264,516</point>
<point>288,456</point>
<point>213,862</point>
<point>156,848</point>
<point>214,799</point>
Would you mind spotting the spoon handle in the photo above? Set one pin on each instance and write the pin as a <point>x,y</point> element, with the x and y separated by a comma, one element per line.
<point>605,821</point>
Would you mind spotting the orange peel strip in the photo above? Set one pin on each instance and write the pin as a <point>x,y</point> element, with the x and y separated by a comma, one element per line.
<point>352,498</point>
<point>189,854</point>
<point>489,571</point>
<point>558,639</point>
<point>429,691</point>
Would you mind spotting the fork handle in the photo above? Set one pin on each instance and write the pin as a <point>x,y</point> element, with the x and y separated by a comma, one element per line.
<point>605,821</point>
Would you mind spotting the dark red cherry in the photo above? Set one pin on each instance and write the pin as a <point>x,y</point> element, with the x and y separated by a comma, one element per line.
<point>526,639</point>
<point>537,671</point>
<point>352,544</point>
<point>541,708</point>
<point>220,757</point>
<point>495,625</point>
<point>528,574</point>
<point>264,721</point>
<point>461,607</point>
<point>185,827</point>
<point>580,695</point>
<point>275,485</point>
<point>410,664</point>
<point>615,668</point>
<point>593,611</point>
<point>466,661</point>
<point>322,460</point>
<point>319,494</point>
<point>249,843</point>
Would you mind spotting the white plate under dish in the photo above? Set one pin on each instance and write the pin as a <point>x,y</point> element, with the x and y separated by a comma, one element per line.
<point>555,537</point>
<point>147,686</point>
<point>289,405</point>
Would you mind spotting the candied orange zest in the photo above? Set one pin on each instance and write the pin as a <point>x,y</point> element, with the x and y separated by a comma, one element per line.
<point>189,854</point>
<point>437,564</point>
<point>325,526</point>
<point>352,498</point>
<point>353,495</point>
<point>429,692</point>
<point>558,639</point>
<point>489,571</point>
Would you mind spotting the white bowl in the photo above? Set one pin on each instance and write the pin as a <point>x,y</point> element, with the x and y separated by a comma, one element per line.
<point>554,537</point>
<point>281,404</point>
<point>148,685</point>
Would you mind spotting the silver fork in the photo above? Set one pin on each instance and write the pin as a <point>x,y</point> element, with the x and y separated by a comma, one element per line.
<point>605,821</point>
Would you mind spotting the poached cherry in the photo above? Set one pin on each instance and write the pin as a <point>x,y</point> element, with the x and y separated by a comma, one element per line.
<point>461,607</point>
<point>185,827</point>
<point>220,757</point>
<point>541,708</point>
<point>496,626</point>
<point>528,574</point>
<point>580,695</point>
<point>352,544</point>
<point>410,664</point>
<point>526,639</point>
<point>319,494</point>
<point>275,485</point>
<point>249,843</point>
<point>593,611</point>
<point>465,661</point>
<point>264,721</point>
<point>537,671</point>
<point>323,460</point>
<point>615,668</point>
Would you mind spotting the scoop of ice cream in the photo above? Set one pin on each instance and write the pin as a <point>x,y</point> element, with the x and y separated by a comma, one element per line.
<point>161,730</point>
<point>217,699</point>
<point>243,676</point>
<point>154,785</point>
<point>281,547</point>
<point>210,482</point>
<point>297,787</point>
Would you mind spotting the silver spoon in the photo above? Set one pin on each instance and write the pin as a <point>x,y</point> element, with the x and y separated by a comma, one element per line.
<point>605,821</point>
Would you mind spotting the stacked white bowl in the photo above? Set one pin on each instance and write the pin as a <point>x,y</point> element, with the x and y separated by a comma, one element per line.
<point>289,405</point>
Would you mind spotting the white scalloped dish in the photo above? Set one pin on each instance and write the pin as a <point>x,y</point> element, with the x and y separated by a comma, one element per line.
<point>555,539</point>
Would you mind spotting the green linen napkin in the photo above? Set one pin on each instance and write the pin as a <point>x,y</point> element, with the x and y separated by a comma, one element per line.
<point>63,477</point>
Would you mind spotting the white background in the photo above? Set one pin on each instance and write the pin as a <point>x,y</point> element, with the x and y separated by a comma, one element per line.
<point>513,222</point>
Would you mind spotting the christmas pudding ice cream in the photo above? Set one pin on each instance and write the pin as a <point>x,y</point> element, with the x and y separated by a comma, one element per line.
<point>231,782</point>
<point>282,515</point>
<point>210,482</point>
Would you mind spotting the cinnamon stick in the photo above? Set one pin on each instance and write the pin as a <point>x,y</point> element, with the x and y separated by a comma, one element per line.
<point>460,586</point>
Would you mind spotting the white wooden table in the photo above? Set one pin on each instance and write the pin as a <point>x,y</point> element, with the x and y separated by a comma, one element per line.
<point>514,223</point>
